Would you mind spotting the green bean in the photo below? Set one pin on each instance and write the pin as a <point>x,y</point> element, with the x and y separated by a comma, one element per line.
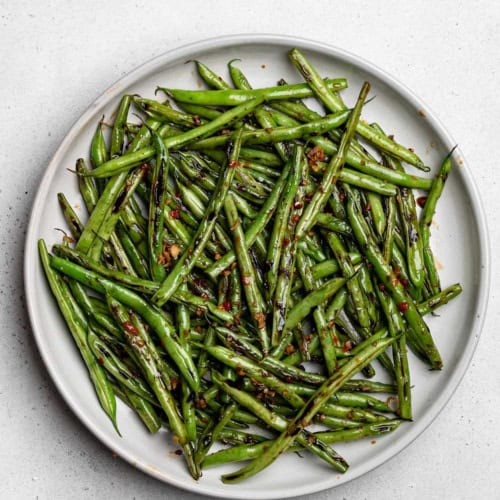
<point>263,157</point>
<point>118,131</point>
<point>358,160</point>
<point>150,313</point>
<point>61,294</point>
<point>386,275</point>
<point>375,206</point>
<point>98,149</point>
<point>110,362</point>
<point>253,296</point>
<point>72,219</point>
<point>88,188</point>
<point>312,300</point>
<point>208,438</point>
<point>186,262</point>
<point>353,284</point>
<point>203,358</point>
<point>334,103</point>
<point>307,412</point>
<point>325,188</point>
<point>230,97</point>
<point>210,77</point>
<point>250,451</point>
<point>276,239</point>
<point>156,208</point>
<point>136,334</point>
<point>397,328</point>
<point>324,331</point>
<point>107,226</point>
<point>284,282</point>
<point>127,161</point>
<point>260,222</point>
<point>426,221</point>
<point>247,367</point>
<point>113,187</point>
<point>167,112</point>
<point>139,263</point>
<point>188,412</point>
<point>143,408</point>
<point>279,423</point>
<point>231,244</point>
<point>440,299</point>
<point>332,223</point>
<point>278,134</point>
<point>389,229</point>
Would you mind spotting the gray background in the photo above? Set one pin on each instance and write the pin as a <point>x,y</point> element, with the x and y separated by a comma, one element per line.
<point>57,57</point>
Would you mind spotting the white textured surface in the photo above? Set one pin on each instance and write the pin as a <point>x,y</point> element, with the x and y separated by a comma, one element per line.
<point>58,57</point>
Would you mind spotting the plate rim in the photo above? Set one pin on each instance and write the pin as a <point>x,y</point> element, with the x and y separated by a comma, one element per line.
<point>214,43</point>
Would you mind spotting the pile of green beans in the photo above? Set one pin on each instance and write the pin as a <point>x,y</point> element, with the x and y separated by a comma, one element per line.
<point>251,275</point>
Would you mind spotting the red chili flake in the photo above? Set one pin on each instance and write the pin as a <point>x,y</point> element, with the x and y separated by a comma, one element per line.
<point>202,403</point>
<point>341,196</point>
<point>100,361</point>
<point>322,417</point>
<point>381,287</point>
<point>246,280</point>
<point>403,306</point>
<point>295,218</point>
<point>144,166</point>
<point>368,208</point>
<point>234,163</point>
<point>261,320</point>
<point>297,205</point>
<point>315,155</point>
<point>130,328</point>
<point>288,379</point>
<point>290,349</point>
<point>178,452</point>
<point>286,241</point>
<point>196,120</point>
<point>404,282</point>
<point>174,213</point>
<point>226,305</point>
<point>411,150</point>
<point>421,200</point>
<point>347,346</point>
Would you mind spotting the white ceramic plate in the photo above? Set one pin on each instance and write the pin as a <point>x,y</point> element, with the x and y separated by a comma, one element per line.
<point>459,240</point>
